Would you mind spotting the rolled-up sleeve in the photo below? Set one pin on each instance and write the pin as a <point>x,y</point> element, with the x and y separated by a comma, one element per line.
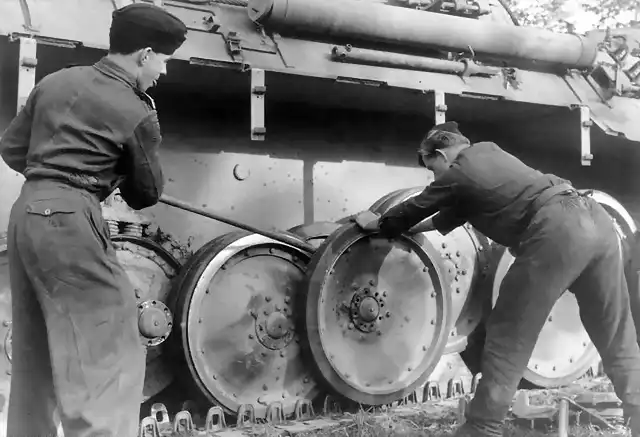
<point>144,181</point>
<point>14,143</point>
<point>440,194</point>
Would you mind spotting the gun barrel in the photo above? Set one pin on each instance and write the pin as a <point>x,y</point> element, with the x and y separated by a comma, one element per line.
<point>403,27</point>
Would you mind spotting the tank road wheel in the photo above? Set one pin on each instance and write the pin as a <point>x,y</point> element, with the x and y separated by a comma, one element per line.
<point>563,351</point>
<point>5,330</point>
<point>376,314</point>
<point>236,323</point>
<point>463,255</point>
<point>151,269</point>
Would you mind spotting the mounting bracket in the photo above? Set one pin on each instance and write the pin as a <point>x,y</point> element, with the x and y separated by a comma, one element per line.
<point>258,91</point>
<point>28,60</point>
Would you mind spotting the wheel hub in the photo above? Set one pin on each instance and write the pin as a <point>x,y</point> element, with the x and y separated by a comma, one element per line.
<point>366,305</point>
<point>154,322</point>
<point>274,326</point>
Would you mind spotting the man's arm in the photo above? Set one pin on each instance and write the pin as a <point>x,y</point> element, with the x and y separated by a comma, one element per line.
<point>144,180</point>
<point>14,143</point>
<point>440,194</point>
<point>447,220</point>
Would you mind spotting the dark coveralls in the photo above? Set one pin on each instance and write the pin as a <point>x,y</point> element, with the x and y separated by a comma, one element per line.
<point>561,241</point>
<point>83,132</point>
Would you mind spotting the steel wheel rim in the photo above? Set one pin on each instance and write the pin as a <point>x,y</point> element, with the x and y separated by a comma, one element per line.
<point>430,353</point>
<point>208,374</point>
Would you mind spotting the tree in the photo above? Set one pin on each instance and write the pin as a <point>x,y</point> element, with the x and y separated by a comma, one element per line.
<point>555,14</point>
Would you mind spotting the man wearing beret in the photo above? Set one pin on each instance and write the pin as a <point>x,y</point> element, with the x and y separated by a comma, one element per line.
<point>83,132</point>
<point>561,240</point>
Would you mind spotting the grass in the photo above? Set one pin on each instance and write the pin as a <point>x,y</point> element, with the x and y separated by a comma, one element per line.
<point>441,420</point>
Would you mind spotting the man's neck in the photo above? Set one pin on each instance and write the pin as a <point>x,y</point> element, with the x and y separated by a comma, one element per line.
<point>125,62</point>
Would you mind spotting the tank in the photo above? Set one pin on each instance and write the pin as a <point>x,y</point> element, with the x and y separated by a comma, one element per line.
<point>293,115</point>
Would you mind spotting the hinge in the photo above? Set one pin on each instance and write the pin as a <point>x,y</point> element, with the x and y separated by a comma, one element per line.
<point>28,60</point>
<point>440,107</point>
<point>258,91</point>
<point>233,42</point>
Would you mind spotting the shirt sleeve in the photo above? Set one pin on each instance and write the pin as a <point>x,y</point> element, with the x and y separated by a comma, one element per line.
<point>14,143</point>
<point>447,220</point>
<point>440,194</point>
<point>144,181</point>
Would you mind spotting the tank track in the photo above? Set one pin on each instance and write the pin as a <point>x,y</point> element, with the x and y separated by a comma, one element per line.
<point>449,392</point>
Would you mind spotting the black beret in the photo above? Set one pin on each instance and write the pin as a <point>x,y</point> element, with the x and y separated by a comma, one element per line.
<point>142,25</point>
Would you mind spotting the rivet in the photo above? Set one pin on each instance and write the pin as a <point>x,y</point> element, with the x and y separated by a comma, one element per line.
<point>444,245</point>
<point>433,322</point>
<point>350,326</point>
<point>278,308</point>
<point>263,354</point>
<point>372,282</point>
<point>457,253</point>
<point>464,272</point>
<point>425,269</point>
<point>458,290</point>
<point>433,294</point>
<point>265,388</point>
<point>554,368</point>
<point>384,294</point>
<point>424,348</point>
<point>267,298</point>
<point>282,353</point>
<point>368,384</point>
<point>287,299</point>
<point>550,318</point>
<point>200,320</point>
<point>284,395</point>
<point>409,369</point>
<point>305,380</point>
<point>388,314</point>
<point>379,333</point>
<point>250,335</point>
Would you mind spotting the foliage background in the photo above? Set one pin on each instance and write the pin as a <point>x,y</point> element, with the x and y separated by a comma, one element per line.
<point>583,15</point>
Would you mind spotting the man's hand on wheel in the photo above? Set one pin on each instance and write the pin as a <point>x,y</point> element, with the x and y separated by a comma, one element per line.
<point>367,220</point>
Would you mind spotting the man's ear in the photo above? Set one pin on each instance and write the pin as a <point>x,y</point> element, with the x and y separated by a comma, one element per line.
<point>442,153</point>
<point>143,56</point>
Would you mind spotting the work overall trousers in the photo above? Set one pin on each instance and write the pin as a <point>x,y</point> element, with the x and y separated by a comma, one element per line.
<point>570,244</point>
<point>76,347</point>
